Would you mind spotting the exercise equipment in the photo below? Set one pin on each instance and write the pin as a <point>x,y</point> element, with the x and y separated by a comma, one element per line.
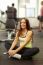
<point>10,31</point>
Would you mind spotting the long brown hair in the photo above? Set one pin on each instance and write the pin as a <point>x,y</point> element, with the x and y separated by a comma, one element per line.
<point>27,26</point>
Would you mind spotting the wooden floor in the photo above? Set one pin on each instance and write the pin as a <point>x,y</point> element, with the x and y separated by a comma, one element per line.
<point>37,59</point>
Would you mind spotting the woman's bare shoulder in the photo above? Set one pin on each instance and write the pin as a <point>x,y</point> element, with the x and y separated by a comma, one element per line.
<point>29,32</point>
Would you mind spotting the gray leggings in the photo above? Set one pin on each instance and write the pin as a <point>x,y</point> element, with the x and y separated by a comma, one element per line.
<point>25,52</point>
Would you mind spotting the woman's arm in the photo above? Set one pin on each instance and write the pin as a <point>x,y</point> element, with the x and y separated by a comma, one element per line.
<point>14,42</point>
<point>27,39</point>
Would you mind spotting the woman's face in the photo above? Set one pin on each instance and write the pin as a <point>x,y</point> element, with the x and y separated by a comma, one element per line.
<point>23,24</point>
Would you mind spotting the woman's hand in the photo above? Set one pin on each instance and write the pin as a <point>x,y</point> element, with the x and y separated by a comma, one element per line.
<point>11,52</point>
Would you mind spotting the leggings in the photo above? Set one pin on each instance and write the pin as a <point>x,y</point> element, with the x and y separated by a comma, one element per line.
<point>25,52</point>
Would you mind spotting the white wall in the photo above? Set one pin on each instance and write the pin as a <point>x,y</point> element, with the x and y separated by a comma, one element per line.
<point>34,23</point>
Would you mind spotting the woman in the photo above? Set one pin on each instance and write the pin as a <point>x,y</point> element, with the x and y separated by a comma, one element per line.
<point>24,36</point>
<point>40,18</point>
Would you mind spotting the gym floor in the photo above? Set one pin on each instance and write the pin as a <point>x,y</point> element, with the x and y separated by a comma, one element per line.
<point>37,59</point>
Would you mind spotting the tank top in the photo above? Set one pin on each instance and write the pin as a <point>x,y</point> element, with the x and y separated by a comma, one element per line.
<point>22,40</point>
<point>42,11</point>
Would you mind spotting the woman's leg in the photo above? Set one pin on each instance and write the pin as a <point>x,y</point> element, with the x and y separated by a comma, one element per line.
<point>26,53</point>
<point>7,45</point>
<point>40,26</point>
<point>40,23</point>
<point>30,52</point>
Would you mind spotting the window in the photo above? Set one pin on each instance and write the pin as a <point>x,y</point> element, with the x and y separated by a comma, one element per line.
<point>30,12</point>
<point>27,8</point>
